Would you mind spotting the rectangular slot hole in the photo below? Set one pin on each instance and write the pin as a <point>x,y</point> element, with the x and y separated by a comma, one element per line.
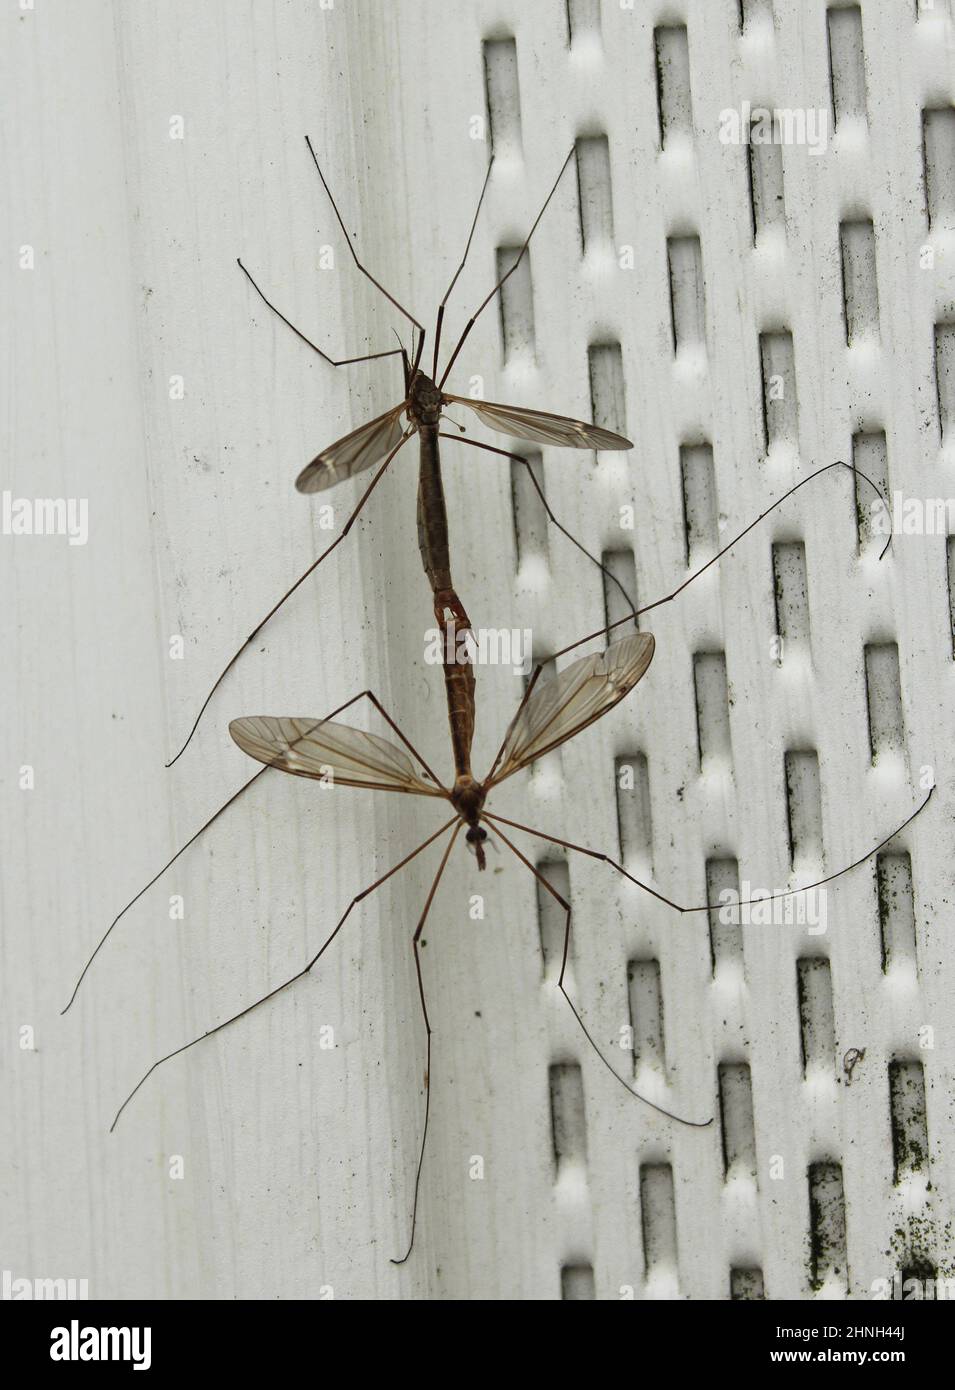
<point>918,1279</point>
<point>583,21</point>
<point>766,187</point>
<point>530,518</point>
<point>945,379</point>
<point>780,407</point>
<point>687,304</point>
<point>846,64</point>
<point>700,511</point>
<point>622,566</point>
<point>909,1120</point>
<point>817,1017</point>
<point>502,87</point>
<point>608,397</point>
<point>870,456</point>
<point>714,748</point>
<point>791,592</point>
<point>950,565</point>
<point>860,291</point>
<point>746,1285</point>
<point>938,151</point>
<point>736,1116</point>
<point>632,778</point>
<point>658,1218</point>
<point>884,691</point>
<point>551,917</point>
<point>753,12</point>
<point>674,103</point>
<point>577,1282</point>
<point>726,937</point>
<point>893,874</point>
<point>517,305</point>
<point>645,993</point>
<point>568,1116</point>
<point>804,809</point>
<point>595,200</point>
<point>827,1228</point>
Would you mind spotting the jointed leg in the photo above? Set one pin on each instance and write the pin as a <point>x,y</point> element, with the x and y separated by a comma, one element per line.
<point>668,598</point>
<point>362,695</point>
<point>332,361</point>
<point>427,1023</point>
<point>507,274</point>
<point>693,1124</point>
<point>519,458</point>
<point>292,979</point>
<point>708,907</point>
<point>447,293</point>
<point>348,242</point>
<point>289,592</point>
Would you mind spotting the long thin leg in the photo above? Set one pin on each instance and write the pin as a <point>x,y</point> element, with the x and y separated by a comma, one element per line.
<point>668,598</point>
<point>519,458</point>
<point>390,297</point>
<point>507,274</point>
<point>332,361</point>
<point>292,978</point>
<point>289,592</point>
<point>362,695</point>
<point>709,907</point>
<point>693,1124</point>
<point>447,293</point>
<point>427,1025</point>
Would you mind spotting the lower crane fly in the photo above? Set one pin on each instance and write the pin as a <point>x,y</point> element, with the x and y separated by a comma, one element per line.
<point>547,716</point>
<point>378,441</point>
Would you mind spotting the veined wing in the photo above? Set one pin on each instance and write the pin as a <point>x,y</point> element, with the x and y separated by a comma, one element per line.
<point>359,450</point>
<point>330,752</point>
<point>540,427</point>
<point>563,706</point>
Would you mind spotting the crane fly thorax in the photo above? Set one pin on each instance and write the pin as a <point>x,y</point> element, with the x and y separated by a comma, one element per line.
<point>424,401</point>
<point>467,798</point>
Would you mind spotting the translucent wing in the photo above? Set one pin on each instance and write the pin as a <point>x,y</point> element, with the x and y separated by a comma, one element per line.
<point>333,753</point>
<point>563,706</point>
<point>541,428</point>
<point>361,449</point>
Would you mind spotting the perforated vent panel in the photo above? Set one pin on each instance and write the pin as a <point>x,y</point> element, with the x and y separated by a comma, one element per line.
<point>746,311</point>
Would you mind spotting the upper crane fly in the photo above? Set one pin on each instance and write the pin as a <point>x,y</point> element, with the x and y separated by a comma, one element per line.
<point>378,441</point>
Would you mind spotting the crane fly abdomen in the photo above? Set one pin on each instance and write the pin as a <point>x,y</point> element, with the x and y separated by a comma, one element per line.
<point>452,620</point>
<point>433,519</point>
<point>459,687</point>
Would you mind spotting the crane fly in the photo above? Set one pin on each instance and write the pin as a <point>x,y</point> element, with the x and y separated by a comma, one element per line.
<point>547,716</point>
<point>378,441</point>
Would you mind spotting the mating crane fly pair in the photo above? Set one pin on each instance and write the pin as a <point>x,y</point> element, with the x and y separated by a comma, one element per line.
<point>547,715</point>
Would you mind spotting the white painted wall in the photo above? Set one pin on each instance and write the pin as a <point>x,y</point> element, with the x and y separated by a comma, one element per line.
<point>299,1161</point>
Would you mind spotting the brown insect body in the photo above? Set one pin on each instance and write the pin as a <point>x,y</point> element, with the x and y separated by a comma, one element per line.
<point>424,411</point>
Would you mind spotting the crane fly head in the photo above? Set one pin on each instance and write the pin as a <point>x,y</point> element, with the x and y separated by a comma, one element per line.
<point>475,837</point>
<point>424,400</point>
